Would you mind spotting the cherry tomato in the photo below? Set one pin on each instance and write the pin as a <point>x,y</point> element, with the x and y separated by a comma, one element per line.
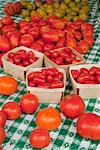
<point>31,55</point>
<point>24,56</point>
<point>64,55</point>
<point>39,138</point>
<point>57,84</point>
<point>48,54</point>
<point>44,85</point>
<point>34,74</point>
<point>39,80</point>
<point>49,79</point>
<point>59,76</point>
<point>20,52</point>
<point>29,103</point>
<point>8,85</point>
<point>25,63</point>
<point>98,79</point>
<point>48,118</point>
<point>2,134</point>
<point>88,126</point>
<point>75,73</point>
<point>12,110</point>
<point>92,77</point>
<point>68,59</point>
<point>97,72</point>
<point>72,106</point>
<point>31,83</point>
<point>3,118</point>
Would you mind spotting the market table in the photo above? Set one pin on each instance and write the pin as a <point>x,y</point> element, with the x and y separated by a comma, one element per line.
<point>65,137</point>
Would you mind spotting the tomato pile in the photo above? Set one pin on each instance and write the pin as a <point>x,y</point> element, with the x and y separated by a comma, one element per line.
<point>46,78</point>
<point>64,57</point>
<point>87,76</point>
<point>22,58</point>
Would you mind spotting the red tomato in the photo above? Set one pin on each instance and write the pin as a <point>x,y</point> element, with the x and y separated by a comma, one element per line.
<point>57,84</point>
<point>84,70</point>
<point>75,73</point>
<point>72,106</point>
<point>31,55</point>
<point>68,59</point>
<point>39,138</point>
<point>11,54</point>
<point>93,70</point>
<point>29,103</point>
<point>39,80</point>
<point>83,77</point>
<point>50,79</point>
<point>59,61</point>
<point>3,118</point>
<point>88,126</point>
<point>0,148</point>
<point>2,134</point>
<point>12,110</point>
<point>98,79</point>
<point>55,54</point>
<point>16,59</point>
<point>48,118</point>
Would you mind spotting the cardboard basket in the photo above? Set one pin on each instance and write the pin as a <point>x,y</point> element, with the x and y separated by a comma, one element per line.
<point>47,95</point>
<point>85,90</point>
<point>19,71</point>
<point>49,63</point>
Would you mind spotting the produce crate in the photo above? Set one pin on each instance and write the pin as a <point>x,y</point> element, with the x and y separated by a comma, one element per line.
<point>47,95</point>
<point>49,63</point>
<point>19,71</point>
<point>85,90</point>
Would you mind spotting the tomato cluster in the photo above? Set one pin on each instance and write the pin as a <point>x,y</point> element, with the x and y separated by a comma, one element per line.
<point>22,58</point>
<point>46,78</point>
<point>63,57</point>
<point>87,76</point>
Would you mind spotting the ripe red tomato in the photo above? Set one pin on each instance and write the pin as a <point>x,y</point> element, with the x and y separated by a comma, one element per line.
<point>72,106</point>
<point>2,118</point>
<point>39,138</point>
<point>8,85</point>
<point>2,134</point>
<point>48,118</point>
<point>88,126</point>
<point>12,110</point>
<point>29,103</point>
<point>0,148</point>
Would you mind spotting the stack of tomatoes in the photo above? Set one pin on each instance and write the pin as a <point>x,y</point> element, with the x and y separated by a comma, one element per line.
<point>46,78</point>
<point>22,58</point>
<point>63,57</point>
<point>87,76</point>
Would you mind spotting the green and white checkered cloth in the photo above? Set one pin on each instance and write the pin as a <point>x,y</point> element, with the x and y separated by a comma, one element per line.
<point>65,137</point>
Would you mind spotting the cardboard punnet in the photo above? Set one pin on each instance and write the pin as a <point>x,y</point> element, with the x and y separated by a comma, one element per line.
<point>85,90</point>
<point>47,95</point>
<point>49,63</point>
<point>19,71</point>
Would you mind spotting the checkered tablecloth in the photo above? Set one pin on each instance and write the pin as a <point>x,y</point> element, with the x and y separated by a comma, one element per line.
<point>65,137</point>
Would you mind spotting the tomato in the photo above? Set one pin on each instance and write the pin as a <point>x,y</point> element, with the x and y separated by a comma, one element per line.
<point>0,148</point>
<point>93,70</point>
<point>97,72</point>
<point>8,85</point>
<point>34,74</point>
<point>31,55</point>
<point>39,138</point>
<point>59,60</point>
<point>88,126</point>
<point>12,110</point>
<point>48,54</point>
<point>83,77</point>
<point>2,134</point>
<point>72,106</point>
<point>48,118</point>
<point>75,73</point>
<point>98,79</point>
<point>84,70</point>
<point>3,118</point>
<point>29,103</point>
<point>17,59</point>
<point>55,54</point>
<point>11,54</point>
<point>39,80</point>
<point>57,84</point>
<point>49,79</point>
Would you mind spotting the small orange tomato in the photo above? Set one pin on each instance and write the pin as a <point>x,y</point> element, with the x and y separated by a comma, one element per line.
<point>48,118</point>
<point>8,85</point>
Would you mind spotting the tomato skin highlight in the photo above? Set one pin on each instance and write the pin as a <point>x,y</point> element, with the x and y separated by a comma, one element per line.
<point>39,138</point>
<point>2,134</point>
<point>3,118</point>
<point>8,85</point>
<point>29,103</point>
<point>48,118</point>
<point>12,110</point>
<point>88,126</point>
<point>72,106</point>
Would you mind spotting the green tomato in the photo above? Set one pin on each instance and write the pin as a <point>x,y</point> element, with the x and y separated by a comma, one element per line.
<point>28,19</point>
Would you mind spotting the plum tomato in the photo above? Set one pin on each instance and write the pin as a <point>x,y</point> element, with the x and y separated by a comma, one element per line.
<point>75,73</point>
<point>57,84</point>
<point>72,106</point>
